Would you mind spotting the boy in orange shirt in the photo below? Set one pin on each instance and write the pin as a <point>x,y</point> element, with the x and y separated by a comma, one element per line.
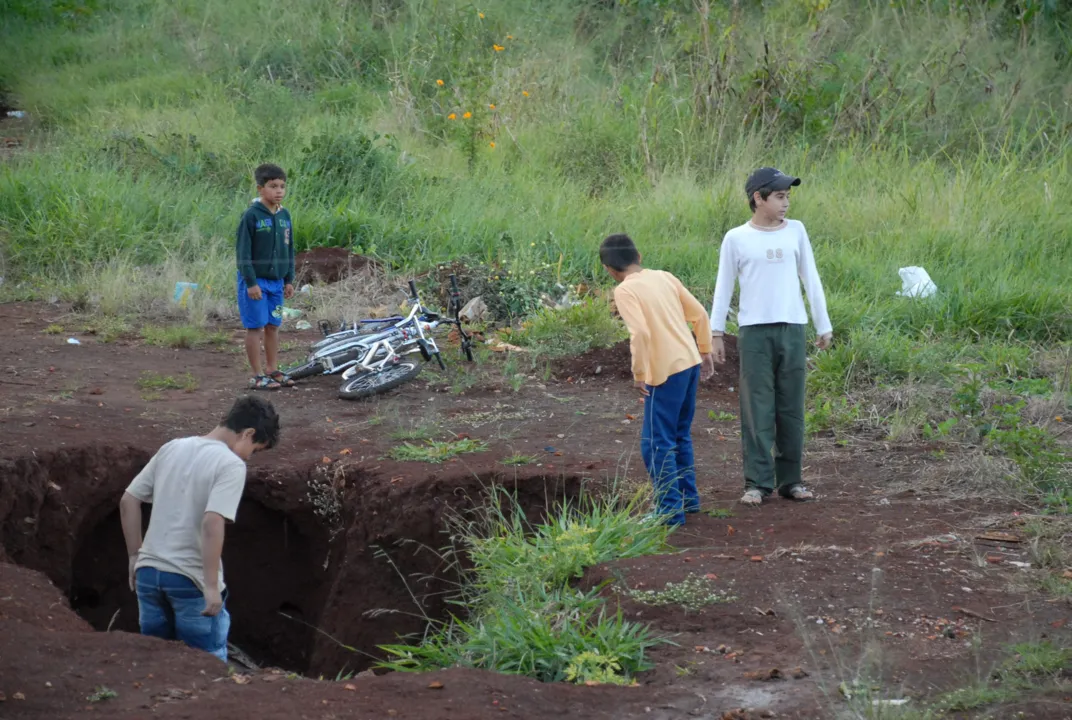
<point>668,365</point>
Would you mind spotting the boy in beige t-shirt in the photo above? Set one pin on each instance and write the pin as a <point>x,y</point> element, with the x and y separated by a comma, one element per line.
<point>195,485</point>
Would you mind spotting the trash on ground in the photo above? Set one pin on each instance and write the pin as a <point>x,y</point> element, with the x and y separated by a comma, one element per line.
<point>306,289</point>
<point>17,114</point>
<point>916,283</point>
<point>183,291</point>
<point>291,313</point>
<point>894,703</point>
<point>500,346</point>
<point>474,311</point>
<point>73,341</point>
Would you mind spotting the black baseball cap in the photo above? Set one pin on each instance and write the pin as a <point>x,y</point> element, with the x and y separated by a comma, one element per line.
<point>768,177</point>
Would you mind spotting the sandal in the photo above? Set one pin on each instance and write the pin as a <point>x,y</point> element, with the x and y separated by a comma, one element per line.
<point>263,382</point>
<point>799,493</point>
<point>752,497</point>
<point>282,378</point>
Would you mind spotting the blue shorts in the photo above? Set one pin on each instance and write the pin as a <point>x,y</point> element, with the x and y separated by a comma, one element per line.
<point>169,607</point>
<point>266,311</point>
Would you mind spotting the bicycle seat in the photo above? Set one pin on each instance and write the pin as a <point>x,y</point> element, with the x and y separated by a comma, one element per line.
<point>430,316</point>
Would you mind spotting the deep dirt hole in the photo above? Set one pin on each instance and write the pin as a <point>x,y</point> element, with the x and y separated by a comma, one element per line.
<point>301,587</point>
<point>269,565</point>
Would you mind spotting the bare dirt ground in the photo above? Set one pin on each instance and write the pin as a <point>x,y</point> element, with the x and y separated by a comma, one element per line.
<point>885,576</point>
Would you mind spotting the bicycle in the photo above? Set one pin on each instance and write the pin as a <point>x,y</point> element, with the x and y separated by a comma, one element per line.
<point>372,354</point>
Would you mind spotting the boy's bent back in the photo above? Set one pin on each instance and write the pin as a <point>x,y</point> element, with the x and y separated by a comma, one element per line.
<point>658,309</point>
<point>186,479</point>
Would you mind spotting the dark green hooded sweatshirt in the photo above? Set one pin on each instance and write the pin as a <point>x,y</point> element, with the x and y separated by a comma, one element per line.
<point>265,244</point>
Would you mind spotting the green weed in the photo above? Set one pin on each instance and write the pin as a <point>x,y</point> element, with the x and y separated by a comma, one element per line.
<point>518,460</point>
<point>693,593</point>
<point>434,451</point>
<point>181,336</point>
<point>522,615</point>
<point>152,384</point>
<point>720,513</point>
<point>720,416</point>
<point>414,433</point>
<point>559,333</point>
<point>102,693</point>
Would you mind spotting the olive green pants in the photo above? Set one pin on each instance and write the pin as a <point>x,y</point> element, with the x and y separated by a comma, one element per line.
<point>773,368</point>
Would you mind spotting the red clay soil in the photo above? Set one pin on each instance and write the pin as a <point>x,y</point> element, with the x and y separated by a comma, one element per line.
<point>615,363</point>
<point>329,265</point>
<point>879,562</point>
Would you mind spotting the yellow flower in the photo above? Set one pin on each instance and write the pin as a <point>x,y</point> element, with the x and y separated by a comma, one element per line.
<point>491,106</point>
<point>439,83</point>
<point>509,37</point>
<point>452,116</point>
<point>1059,419</point>
<point>481,15</point>
<point>497,48</point>
<point>491,145</point>
<point>467,115</point>
<point>525,93</point>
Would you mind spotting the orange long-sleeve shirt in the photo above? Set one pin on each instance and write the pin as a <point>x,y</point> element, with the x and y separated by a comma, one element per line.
<point>658,309</point>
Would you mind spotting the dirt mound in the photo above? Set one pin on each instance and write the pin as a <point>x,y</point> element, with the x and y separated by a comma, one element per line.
<point>330,264</point>
<point>615,364</point>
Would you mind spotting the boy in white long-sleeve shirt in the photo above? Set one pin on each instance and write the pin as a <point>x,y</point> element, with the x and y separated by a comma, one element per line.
<point>770,256</point>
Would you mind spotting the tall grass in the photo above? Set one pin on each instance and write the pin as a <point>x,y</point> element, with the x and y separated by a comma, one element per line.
<point>927,132</point>
<point>521,615</point>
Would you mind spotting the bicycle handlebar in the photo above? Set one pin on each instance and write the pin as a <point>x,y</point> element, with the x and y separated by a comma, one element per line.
<point>413,288</point>
<point>454,284</point>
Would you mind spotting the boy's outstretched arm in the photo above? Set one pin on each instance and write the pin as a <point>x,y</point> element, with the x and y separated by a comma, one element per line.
<point>701,326</point>
<point>720,304</point>
<point>130,518</point>
<point>696,315</point>
<point>212,532</point>
<point>813,288</point>
<point>727,276</point>
<point>140,490</point>
<point>222,506</point>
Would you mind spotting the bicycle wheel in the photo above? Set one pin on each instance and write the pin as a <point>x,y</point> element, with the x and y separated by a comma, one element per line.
<point>373,383</point>
<point>306,370</point>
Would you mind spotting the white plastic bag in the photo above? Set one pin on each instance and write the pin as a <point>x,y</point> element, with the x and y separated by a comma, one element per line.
<point>916,283</point>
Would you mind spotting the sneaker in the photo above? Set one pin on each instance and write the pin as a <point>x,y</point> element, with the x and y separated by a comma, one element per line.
<point>752,497</point>
<point>799,493</point>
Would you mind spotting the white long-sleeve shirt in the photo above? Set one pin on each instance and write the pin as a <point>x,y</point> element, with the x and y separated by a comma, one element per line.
<point>770,265</point>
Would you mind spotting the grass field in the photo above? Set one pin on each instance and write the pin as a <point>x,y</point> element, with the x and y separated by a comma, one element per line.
<point>515,135</point>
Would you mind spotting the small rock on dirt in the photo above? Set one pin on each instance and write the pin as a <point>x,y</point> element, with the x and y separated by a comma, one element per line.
<point>435,685</point>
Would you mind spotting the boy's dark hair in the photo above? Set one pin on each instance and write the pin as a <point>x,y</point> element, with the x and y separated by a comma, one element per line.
<point>763,193</point>
<point>618,252</point>
<point>267,172</point>
<point>257,413</point>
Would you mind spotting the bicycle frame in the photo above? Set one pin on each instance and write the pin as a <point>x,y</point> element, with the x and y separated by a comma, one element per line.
<point>356,350</point>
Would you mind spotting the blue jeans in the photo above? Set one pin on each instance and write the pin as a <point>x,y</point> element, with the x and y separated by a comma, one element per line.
<point>666,444</point>
<point>170,606</point>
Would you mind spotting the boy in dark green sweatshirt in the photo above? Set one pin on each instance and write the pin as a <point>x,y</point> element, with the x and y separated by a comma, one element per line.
<point>265,254</point>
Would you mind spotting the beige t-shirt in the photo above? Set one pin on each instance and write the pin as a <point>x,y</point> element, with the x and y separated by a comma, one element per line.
<point>184,480</point>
